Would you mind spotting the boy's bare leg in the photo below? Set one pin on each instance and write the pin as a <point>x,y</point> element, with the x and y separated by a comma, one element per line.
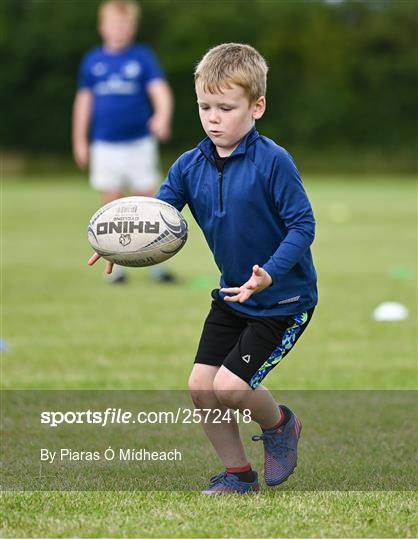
<point>109,196</point>
<point>147,193</point>
<point>233,392</point>
<point>224,436</point>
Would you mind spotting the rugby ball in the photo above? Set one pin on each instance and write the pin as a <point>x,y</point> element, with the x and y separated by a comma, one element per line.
<point>137,231</point>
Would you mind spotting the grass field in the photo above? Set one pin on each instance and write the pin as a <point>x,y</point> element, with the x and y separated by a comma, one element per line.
<point>67,329</point>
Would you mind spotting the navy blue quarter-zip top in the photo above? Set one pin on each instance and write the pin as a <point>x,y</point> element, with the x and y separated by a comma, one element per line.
<point>219,163</point>
<point>260,215</point>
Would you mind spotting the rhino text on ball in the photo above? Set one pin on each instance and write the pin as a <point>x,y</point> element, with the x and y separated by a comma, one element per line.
<point>119,227</point>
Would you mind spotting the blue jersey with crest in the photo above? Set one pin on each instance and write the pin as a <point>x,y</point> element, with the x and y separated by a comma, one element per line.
<point>118,82</point>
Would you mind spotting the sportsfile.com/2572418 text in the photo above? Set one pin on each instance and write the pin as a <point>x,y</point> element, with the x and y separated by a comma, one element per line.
<point>113,416</point>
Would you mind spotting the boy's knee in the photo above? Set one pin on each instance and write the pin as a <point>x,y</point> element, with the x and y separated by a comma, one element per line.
<point>198,388</point>
<point>229,398</point>
<point>227,392</point>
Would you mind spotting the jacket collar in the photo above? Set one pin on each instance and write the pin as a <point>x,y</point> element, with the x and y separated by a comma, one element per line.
<point>207,147</point>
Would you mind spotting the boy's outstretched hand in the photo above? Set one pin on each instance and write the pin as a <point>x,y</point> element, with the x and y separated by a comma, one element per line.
<point>259,281</point>
<point>94,258</point>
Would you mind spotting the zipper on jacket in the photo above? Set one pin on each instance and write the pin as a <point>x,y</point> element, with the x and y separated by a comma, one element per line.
<point>220,179</point>
<point>221,202</point>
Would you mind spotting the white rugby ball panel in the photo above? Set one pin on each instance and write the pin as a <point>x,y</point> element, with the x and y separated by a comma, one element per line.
<point>137,231</point>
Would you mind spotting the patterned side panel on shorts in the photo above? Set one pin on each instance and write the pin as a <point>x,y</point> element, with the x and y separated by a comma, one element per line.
<point>288,340</point>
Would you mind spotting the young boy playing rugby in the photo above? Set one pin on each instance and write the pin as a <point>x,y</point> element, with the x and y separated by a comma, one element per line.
<point>246,194</point>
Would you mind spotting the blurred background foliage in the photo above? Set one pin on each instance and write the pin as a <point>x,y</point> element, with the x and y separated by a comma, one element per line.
<point>342,81</point>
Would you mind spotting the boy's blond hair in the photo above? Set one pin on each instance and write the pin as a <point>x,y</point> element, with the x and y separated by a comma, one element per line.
<point>129,8</point>
<point>233,62</point>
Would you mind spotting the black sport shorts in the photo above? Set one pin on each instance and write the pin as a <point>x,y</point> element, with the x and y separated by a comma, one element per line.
<point>248,346</point>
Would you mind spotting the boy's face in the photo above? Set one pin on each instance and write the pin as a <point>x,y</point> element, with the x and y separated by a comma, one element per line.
<point>228,116</point>
<point>117,30</point>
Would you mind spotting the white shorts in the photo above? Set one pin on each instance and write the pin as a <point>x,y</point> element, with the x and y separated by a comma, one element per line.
<point>132,165</point>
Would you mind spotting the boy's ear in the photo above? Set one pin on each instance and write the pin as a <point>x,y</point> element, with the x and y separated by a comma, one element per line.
<point>259,107</point>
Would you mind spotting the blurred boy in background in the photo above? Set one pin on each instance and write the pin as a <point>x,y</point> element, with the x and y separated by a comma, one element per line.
<point>123,106</point>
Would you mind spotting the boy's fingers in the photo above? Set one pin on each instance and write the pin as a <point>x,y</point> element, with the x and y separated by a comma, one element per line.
<point>253,285</point>
<point>232,298</point>
<point>231,290</point>
<point>93,259</point>
<point>241,297</point>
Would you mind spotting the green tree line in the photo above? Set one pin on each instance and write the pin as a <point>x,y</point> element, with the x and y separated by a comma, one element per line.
<point>343,74</point>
